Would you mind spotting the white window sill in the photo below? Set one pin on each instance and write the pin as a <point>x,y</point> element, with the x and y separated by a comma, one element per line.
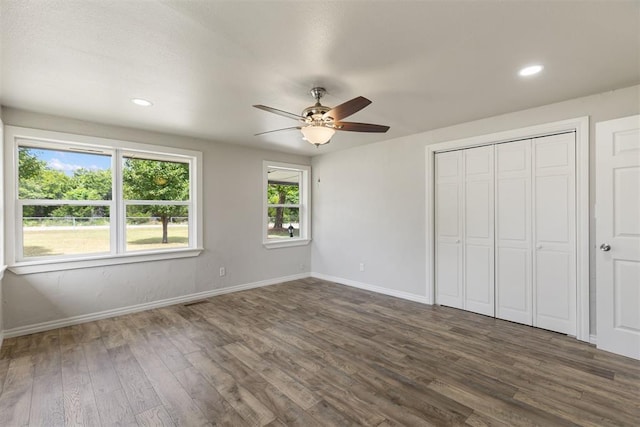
<point>30,267</point>
<point>274,244</point>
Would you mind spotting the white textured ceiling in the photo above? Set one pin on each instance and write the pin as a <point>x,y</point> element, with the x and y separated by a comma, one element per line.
<point>424,64</point>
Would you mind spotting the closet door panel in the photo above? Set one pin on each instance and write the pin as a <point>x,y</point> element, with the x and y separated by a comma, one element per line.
<point>479,230</point>
<point>554,297</point>
<point>552,212</point>
<point>479,210</point>
<point>513,216</point>
<point>449,199</point>
<point>449,277</point>
<point>513,232</point>
<point>448,210</point>
<point>554,260</point>
<point>479,286</point>
<point>514,279</point>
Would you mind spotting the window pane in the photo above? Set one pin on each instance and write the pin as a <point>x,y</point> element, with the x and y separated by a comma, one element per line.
<point>63,175</point>
<point>283,186</point>
<point>145,179</point>
<point>65,230</point>
<point>284,223</point>
<point>152,227</point>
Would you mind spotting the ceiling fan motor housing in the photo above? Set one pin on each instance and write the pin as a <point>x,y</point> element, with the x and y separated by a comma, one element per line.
<point>314,114</point>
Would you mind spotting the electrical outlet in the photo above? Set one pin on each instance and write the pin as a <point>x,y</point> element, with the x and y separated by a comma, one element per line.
<point>301,267</point>
<point>362,266</point>
<point>223,271</point>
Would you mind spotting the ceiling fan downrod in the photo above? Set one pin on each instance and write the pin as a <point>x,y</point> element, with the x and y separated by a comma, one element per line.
<point>318,93</point>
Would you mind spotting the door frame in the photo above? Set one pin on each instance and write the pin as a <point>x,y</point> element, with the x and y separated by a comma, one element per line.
<point>580,126</point>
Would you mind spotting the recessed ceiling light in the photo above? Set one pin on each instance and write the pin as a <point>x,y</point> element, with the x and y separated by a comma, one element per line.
<point>142,102</point>
<point>530,70</point>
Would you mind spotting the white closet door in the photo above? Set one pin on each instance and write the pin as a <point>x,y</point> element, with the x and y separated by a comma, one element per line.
<point>513,232</point>
<point>554,256</point>
<point>478,230</point>
<point>449,274</point>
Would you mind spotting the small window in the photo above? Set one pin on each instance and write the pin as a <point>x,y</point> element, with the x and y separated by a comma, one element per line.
<point>286,204</point>
<point>80,198</point>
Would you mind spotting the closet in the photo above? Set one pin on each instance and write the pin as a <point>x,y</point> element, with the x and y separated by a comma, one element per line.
<point>506,231</point>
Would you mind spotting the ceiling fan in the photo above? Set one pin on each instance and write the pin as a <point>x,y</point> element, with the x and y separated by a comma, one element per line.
<point>319,123</point>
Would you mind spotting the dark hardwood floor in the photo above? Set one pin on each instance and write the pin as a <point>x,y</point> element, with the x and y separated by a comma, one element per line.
<point>310,353</point>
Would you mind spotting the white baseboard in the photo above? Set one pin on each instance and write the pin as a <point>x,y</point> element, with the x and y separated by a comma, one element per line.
<point>75,320</point>
<point>592,339</point>
<point>373,288</point>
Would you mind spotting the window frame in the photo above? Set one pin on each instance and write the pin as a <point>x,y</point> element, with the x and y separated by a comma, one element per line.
<point>19,136</point>
<point>304,205</point>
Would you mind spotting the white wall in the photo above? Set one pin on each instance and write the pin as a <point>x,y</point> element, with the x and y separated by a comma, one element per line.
<point>369,206</point>
<point>233,197</point>
<point>2,213</point>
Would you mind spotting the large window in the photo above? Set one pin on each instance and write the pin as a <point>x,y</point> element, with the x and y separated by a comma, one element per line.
<point>79,198</point>
<point>286,204</point>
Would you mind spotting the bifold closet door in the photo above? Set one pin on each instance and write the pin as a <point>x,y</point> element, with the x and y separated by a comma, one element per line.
<point>464,229</point>
<point>506,231</point>
<point>478,287</point>
<point>448,189</point>
<point>513,260</point>
<point>554,233</point>
<point>536,232</point>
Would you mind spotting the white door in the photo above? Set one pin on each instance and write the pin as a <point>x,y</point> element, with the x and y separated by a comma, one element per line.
<point>449,274</point>
<point>554,233</point>
<point>478,288</point>
<point>513,232</point>
<point>618,235</point>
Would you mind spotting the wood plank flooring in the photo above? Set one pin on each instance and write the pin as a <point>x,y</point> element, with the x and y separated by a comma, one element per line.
<point>311,353</point>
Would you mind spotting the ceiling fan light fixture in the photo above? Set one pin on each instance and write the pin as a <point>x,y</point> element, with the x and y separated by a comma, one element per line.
<point>317,135</point>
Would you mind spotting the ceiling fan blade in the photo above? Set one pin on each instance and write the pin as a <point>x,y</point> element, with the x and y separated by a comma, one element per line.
<point>361,127</point>
<point>346,109</point>
<point>280,112</point>
<point>277,130</point>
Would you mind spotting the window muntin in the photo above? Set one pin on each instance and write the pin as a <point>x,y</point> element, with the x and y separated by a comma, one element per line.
<point>78,215</point>
<point>286,206</point>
